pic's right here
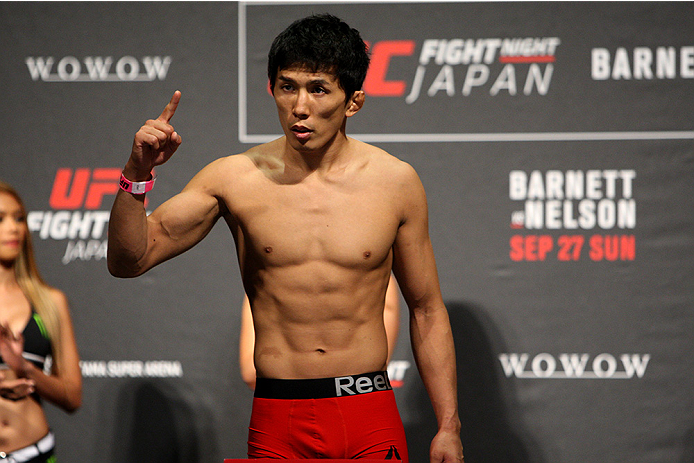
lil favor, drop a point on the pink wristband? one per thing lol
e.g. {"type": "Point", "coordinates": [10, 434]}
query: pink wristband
{"type": "Point", "coordinates": [136, 188]}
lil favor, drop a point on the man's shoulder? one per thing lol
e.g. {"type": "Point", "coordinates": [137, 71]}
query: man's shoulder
{"type": "Point", "coordinates": [383, 160]}
{"type": "Point", "coordinates": [237, 163]}
{"type": "Point", "coordinates": [241, 167]}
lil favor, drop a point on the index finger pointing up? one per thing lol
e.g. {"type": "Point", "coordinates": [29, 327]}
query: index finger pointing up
{"type": "Point", "coordinates": [170, 108]}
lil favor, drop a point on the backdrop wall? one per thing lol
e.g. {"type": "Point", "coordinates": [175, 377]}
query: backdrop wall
{"type": "Point", "coordinates": [556, 146]}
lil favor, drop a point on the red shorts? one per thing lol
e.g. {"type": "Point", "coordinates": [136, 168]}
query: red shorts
{"type": "Point", "coordinates": [349, 417]}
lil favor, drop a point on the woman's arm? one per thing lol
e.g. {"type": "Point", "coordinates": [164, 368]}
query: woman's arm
{"type": "Point", "coordinates": [63, 386]}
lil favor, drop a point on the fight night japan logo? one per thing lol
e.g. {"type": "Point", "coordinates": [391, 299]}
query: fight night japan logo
{"type": "Point", "coordinates": [464, 66]}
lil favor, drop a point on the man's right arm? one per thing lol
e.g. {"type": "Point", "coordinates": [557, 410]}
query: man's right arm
{"type": "Point", "coordinates": [137, 242]}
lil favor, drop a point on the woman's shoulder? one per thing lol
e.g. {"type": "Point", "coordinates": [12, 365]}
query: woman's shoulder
{"type": "Point", "coordinates": [59, 299]}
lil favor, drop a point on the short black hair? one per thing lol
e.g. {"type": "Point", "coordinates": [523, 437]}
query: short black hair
{"type": "Point", "coordinates": [321, 43]}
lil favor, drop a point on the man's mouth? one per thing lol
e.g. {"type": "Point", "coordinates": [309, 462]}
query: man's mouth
{"type": "Point", "coordinates": [301, 132]}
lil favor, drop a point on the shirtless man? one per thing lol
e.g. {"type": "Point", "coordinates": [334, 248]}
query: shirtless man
{"type": "Point", "coordinates": [319, 220]}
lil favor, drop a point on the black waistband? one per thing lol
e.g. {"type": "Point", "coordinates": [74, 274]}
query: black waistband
{"type": "Point", "coordinates": [322, 388]}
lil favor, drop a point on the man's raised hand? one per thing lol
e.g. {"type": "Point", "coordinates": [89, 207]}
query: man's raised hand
{"type": "Point", "coordinates": [155, 142]}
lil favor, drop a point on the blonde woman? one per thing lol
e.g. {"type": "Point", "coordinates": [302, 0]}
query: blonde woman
{"type": "Point", "coordinates": [34, 324]}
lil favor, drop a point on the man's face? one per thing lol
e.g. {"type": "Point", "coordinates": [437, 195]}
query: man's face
{"type": "Point", "coordinates": [311, 106]}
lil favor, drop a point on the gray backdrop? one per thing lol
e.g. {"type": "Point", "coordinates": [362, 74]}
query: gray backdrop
{"type": "Point", "coordinates": [555, 144]}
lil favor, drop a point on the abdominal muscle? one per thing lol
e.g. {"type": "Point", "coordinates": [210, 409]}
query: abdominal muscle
{"type": "Point", "coordinates": [22, 422]}
{"type": "Point", "coordinates": [321, 328]}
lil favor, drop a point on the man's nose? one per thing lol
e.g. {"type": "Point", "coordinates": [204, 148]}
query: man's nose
{"type": "Point", "coordinates": [301, 104]}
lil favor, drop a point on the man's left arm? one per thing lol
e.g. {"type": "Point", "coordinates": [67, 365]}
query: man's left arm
{"type": "Point", "coordinates": [430, 329]}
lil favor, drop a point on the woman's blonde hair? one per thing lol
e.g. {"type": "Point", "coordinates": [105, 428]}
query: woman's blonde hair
{"type": "Point", "coordinates": [32, 284]}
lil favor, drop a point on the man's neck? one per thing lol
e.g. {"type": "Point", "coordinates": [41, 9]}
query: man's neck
{"type": "Point", "coordinates": [331, 156]}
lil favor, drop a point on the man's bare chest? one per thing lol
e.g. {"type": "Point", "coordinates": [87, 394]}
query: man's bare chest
{"type": "Point", "coordinates": [294, 224]}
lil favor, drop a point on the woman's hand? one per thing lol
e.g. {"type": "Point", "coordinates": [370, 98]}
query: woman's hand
{"type": "Point", "coordinates": [15, 389]}
{"type": "Point", "coordinates": [11, 348]}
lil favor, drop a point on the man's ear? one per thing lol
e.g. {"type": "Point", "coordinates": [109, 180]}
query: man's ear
{"type": "Point", "coordinates": [355, 103]}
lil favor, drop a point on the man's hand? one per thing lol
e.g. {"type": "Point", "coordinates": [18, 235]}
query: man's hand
{"type": "Point", "coordinates": [446, 447]}
{"type": "Point", "coordinates": [154, 144]}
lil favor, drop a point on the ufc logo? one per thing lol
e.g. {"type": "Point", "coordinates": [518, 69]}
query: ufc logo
{"type": "Point", "coordinates": [376, 83]}
{"type": "Point", "coordinates": [83, 188]}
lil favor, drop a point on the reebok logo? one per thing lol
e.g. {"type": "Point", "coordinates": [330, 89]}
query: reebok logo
{"type": "Point", "coordinates": [348, 385]}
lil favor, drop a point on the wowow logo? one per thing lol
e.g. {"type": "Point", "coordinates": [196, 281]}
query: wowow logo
{"type": "Point", "coordinates": [98, 68]}
{"type": "Point", "coordinates": [76, 201]}
{"type": "Point", "coordinates": [574, 366]}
